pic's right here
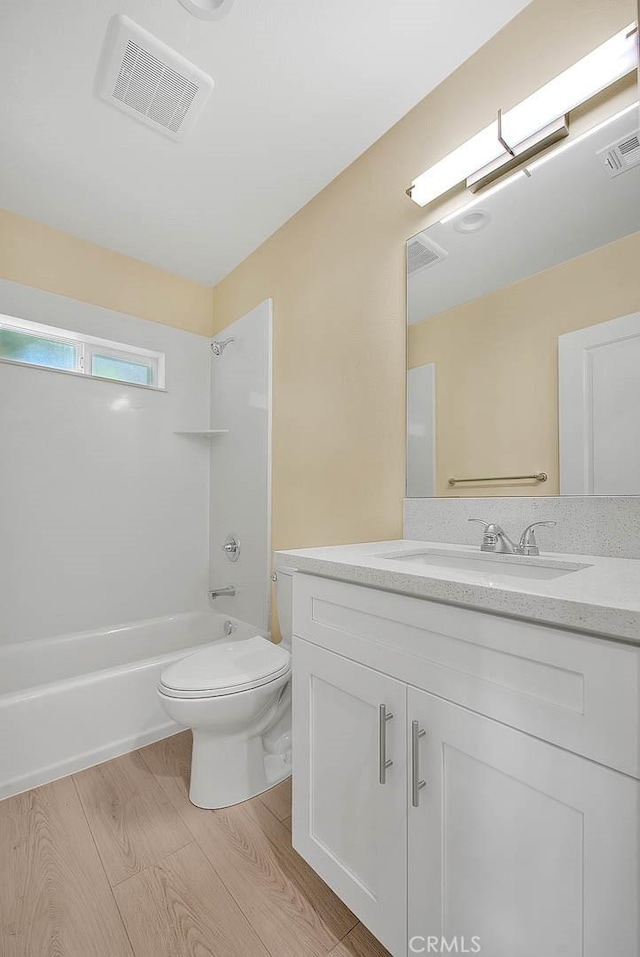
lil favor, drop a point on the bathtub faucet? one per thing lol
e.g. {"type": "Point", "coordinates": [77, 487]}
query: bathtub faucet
{"type": "Point", "coordinates": [227, 592]}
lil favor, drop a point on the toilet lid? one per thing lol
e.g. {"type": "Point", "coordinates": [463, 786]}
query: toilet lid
{"type": "Point", "coordinates": [226, 667]}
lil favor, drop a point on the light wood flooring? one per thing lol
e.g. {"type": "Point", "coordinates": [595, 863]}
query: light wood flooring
{"type": "Point", "coordinates": [116, 862]}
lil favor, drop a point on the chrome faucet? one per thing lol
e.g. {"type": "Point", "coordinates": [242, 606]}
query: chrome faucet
{"type": "Point", "coordinates": [496, 540]}
{"type": "Point", "coordinates": [528, 544]}
{"type": "Point", "coordinates": [228, 591]}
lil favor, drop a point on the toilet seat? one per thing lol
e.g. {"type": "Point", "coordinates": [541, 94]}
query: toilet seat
{"type": "Point", "coordinates": [226, 667]}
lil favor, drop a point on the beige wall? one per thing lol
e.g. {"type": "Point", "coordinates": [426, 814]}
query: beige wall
{"type": "Point", "coordinates": [497, 366]}
{"type": "Point", "coordinates": [37, 255]}
{"type": "Point", "coordinates": [336, 272]}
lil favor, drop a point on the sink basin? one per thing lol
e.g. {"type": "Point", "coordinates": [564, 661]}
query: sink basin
{"type": "Point", "coordinates": [510, 566]}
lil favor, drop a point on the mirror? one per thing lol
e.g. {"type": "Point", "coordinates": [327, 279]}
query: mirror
{"type": "Point", "coordinates": [523, 339]}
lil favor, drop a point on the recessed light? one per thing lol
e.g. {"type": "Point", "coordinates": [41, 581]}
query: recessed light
{"type": "Point", "coordinates": [208, 9]}
{"type": "Point", "coordinates": [472, 221]}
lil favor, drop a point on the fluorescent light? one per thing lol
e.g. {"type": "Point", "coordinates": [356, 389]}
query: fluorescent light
{"type": "Point", "coordinates": [586, 78]}
{"type": "Point", "coordinates": [521, 174]}
{"type": "Point", "coordinates": [589, 76]}
{"type": "Point", "coordinates": [480, 150]}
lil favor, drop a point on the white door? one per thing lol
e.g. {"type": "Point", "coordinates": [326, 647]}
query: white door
{"type": "Point", "coordinates": [521, 848]}
{"type": "Point", "coordinates": [421, 431]}
{"type": "Point", "coordinates": [599, 396]}
{"type": "Point", "coordinates": [349, 812]}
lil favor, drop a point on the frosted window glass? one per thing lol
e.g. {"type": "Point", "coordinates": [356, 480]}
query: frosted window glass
{"type": "Point", "coordinates": [22, 347]}
{"type": "Point", "coordinates": [123, 370]}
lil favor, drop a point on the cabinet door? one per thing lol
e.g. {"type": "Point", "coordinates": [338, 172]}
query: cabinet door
{"type": "Point", "coordinates": [530, 849]}
{"type": "Point", "coordinates": [349, 813]}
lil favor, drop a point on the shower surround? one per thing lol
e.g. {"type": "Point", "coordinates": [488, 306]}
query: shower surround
{"type": "Point", "coordinates": [106, 513]}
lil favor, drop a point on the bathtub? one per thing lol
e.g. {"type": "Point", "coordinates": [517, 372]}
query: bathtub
{"type": "Point", "coordinates": [71, 702]}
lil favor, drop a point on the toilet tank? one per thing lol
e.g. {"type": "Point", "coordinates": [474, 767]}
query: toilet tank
{"type": "Point", "coordinates": [284, 598]}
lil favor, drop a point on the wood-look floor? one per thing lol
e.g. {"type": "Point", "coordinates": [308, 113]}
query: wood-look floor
{"type": "Point", "coordinates": [116, 862]}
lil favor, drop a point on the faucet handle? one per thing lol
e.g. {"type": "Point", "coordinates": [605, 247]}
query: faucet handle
{"type": "Point", "coordinates": [491, 536]}
{"type": "Point", "coordinates": [528, 544]}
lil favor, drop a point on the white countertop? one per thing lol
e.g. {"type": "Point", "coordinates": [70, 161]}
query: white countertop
{"type": "Point", "coordinates": [602, 598]}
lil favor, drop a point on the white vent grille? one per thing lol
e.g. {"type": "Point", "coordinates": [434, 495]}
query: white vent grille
{"type": "Point", "coordinates": [423, 252]}
{"type": "Point", "coordinates": [150, 81]}
{"type": "Point", "coordinates": [623, 155]}
{"type": "Point", "coordinates": [147, 85]}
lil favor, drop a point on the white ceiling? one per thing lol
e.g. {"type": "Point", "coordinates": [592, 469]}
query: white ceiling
{"type": "Point", "coordinates": [302, 88]}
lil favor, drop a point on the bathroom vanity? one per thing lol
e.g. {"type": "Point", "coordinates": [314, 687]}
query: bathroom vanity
{"type": "Point", "coordinates": [467, 745]}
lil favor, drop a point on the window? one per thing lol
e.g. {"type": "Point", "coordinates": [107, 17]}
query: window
{"type": "Point", "coordinates": [125, 370]}
{"type": "Point", "coordinates": [36, 344]}
{"type": "Point", "coordinates": [22, 347]}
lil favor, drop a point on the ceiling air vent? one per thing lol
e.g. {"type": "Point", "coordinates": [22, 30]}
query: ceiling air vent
{"type": "Point", "coordinates": [423, 252]}
{"type": "Point", "coordinates": [148, 80]}
{"type": "Point", "coordinates": [622, 155]}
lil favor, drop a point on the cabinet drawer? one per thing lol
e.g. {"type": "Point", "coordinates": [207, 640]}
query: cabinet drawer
{"type": "Point", "coordinates": [576, 691]}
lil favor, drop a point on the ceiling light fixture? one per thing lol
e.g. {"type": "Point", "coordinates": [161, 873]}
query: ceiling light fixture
{"type": "Point", "coordinates": [532, 125]}
{"type": "Point", "coordinates": [532, 167]}
{"type": "Point", "coordinates": [208, 9]}
{"type": "Point", "coordinates": [473, 221]}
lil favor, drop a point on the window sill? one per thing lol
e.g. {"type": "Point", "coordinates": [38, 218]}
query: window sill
{"type": "Point", "coordinates": [81, 375]}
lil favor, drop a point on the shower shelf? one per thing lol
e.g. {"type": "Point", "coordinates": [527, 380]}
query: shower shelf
{"type": "Point", "coordinates": [207, 433]}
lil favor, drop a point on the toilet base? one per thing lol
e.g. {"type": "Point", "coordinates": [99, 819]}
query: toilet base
{"type": "Point", "coordinates": [228, 770]}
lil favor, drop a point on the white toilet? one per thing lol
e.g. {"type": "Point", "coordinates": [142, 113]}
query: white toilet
{"type": "Point", "coordinates": [236, 697]}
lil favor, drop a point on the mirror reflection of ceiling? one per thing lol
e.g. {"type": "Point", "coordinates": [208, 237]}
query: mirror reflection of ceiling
{"type": "Point", "coordinates": [568, 206]}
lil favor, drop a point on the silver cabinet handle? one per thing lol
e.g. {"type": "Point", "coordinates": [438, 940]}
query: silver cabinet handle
{"type": "Point", "coordinates": [416, 784]}
{"type": "Point", "coordinates": [383, 761]}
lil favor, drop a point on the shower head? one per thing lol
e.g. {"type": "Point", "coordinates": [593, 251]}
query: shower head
{"type": "Point", "coordinates": [218, 346]}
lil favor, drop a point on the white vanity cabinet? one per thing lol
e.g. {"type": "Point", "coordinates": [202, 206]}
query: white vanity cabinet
{"type": "Point", "coordinates": [515, 844]}
{"type": "Point", "coordinates": [340, 800]}
{"type": "Point", "coordinates": [529, 848]}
